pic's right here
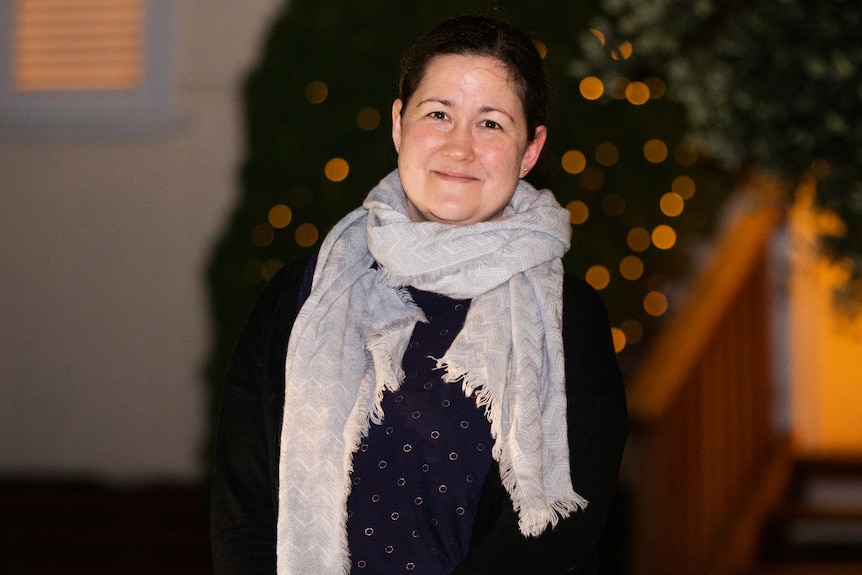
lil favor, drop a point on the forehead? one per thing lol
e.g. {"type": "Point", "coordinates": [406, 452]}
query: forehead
{"type": "Point", "coordinates": [468, 71]}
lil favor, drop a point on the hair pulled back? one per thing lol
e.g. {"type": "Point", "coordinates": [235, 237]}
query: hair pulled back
{"type": "Point", "coordinates": [482, 36]}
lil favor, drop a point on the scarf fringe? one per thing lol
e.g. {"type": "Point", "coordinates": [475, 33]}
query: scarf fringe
{"type": "Point", "coordinates": [531, 522]}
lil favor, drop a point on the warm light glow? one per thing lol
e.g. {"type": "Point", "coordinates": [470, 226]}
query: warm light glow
{"type": "Point", "coordinates": [579, 212]}
{"type": "Point", "coordinates": [638, 239]}
{"type": "Point", "coordinates": [613, 204]}
{"type": "Point", "coordinates": [306, 235]}
{"type": "Point", "coordinates": [657, 87]}
{"type": "Point", "coordinates": [655, 151]}
{"type": "Point", "coordinates": [637, 93]}
{"type": "Point", "coordinates": [619, 338]}
{"type": "Point", "coordinates": [592, 88]}
{"type": "Point", "coordinates": [607, 154]}
{"type": "Point", "coordinates": [279, 216]}
{"type": "Point", "coordinates": [336, 169]}
{"type": "Point", "coordinates": [95, 45]}
{"type": "Point", "coordinates": [631, 267]}
{"type": "Point", "coordinates": [663, 237]}
{"type": "Point", "coordinates": [541, 48]}
{"type": "Point", "coordinates": [655, 303]}
{"type": "Point", "coordinates": [270, 268]}
{"type": "Point", "coordinates": [598, 276]}
{"type": "Point", "coordinates": [262, 235]}
{"type": "Point", "coordinates": [623, 52]}
{"type": "Point", "coordinates": [618, 87]}
{"type": "Point", "coordinates": [671, 204]}
{"type": "Point", "coordinates": [598, 35]}
{"type": "Point", "coordinates": [633, 329]}
{"type": "Point", "coordinates": [592, 179]}
{"type": "Point", "coordinates": [574, 162]}
{"type": "Point", "coordinates": [684, 186]}
{"type": "Point", "coordinates": [316, 92]}
{"type": "Point", "coordinates": [820, 168]}
{"type": "Point", "coordinates": [685, 154]}
{"type": "Point", "coordinates": [368, 119]}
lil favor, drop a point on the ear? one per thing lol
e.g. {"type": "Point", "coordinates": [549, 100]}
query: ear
{"type": "Point", "coordinates": [534, 150]}
{"type": "Point", "coordinates": [396, 123]}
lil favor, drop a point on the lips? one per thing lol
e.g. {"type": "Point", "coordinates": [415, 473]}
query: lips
{"type": "Point", "coordinates": [454, 176]}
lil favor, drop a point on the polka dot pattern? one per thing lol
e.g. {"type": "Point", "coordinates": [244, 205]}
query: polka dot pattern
{"type": "Point", "coordinates": [418, 476]}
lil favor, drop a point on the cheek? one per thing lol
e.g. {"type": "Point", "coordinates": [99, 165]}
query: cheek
{"type": "Point", "coordinates": [505, 158]}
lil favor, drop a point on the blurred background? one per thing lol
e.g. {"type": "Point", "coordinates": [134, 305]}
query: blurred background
{"type": "Point", "coordinates": [159, 161]}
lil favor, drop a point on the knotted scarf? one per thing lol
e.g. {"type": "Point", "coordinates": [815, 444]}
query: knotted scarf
{"type": "Point", "coordinates": [349, 337]}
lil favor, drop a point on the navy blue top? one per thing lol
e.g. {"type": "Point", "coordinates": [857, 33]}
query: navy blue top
{"type": "Point", "coordinates": [418, 476]}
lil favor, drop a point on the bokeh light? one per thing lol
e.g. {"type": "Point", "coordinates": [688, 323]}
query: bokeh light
{"type": "Point", "coordinates": [638, 239]}
{"type": "Point", "coordinates": [598, 34]}
{"type": "Point", "coordinates": [592, 179]}
{"type": "Point", "coordinates": [655, 151]}
{"type": "Point", "coordinates": [623, 52]}
{"type": "Point", "coordinates": [637, 93]}
{"type": "Point", "coordinates": [336, 169]}
{"type": "Point", "coordinates": [368, 119]}
{"type": "Point", "coordinates": [655, 303]}
{"type": "Point", "coordinates": [631, 267]}
{"type": "Point", "coordinates": [607, 154]}
{"type": "Point", "coordinates": [671, 204]}
{"type": "Point", "coordinates": [316, 92]}
{"type": "Point", "coordinates": [619, 338]}
{"type": "Point", "coordinates": [657, 87]}
{"type": "Point", "coordinates": [574, 162]}
{"type": "Point", "coordinates": [685, 154]}
{"type": "Point", "coordinates": [541, 48]}
{"type": "Point", "coordinates": [262, 235]}
{"type": "Point", "coordinates": [617, 88]}
{"type": "Point", "coordinates": [684, 186]}
{"type": "Point", "coordinates": [306, 235]}
{"type": "Point", "coordinates": [663, 237]}
{"type": "Point", "coordinates": [279, 216]}
{"type": "Point", "coordinates": [579, 212]}
{"type": "Point", "coordinates": [591, 88]}
{"type": "Point", "coordinates": [598, 276]}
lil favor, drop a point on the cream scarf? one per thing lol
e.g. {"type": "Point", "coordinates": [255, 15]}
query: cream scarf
{"type": "Point", "coordinates": [347, 342]}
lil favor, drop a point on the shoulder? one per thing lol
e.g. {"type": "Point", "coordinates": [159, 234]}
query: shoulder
{"type": "Point", "coordinates": [588, 345]}
{"type": "Point", "coordinates": [580, 299]}
{"type": "Point", "coordinates": [283, 292]}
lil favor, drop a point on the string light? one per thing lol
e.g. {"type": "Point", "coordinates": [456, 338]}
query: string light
{"type": "Point", "coordinates": [579, 212]}
{"type": "Point", "coordinates": [574, 162]}
{"type": "Point", "coordinates": [316, 92]}
{"type": "Point", "coordinates": [336, 169]}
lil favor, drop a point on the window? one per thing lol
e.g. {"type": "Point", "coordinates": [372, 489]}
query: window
{"type": "Point", "coordinates": [84, 66]}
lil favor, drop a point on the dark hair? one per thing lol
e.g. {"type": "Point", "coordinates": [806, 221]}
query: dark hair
{"type": "Point", "coordinates": [481, 36]}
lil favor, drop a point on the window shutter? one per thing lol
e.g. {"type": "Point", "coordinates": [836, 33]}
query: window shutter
{"type": "Point", "coordinates": [63, 45]}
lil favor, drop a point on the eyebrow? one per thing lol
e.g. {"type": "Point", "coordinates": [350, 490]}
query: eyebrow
{"type": "Point", "coordinates": [483, 109]}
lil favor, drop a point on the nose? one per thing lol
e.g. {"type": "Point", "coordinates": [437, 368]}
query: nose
{"type": "Point", "coordinates": [459, 143]}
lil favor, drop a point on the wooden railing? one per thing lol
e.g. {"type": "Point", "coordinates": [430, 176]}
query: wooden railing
{"type": "Point", "coordinates": [704, 462]}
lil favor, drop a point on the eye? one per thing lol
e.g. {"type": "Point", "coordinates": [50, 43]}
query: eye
{"type": "Point", "coordinates": [438, 115]}
{"type": "Point", "coordinates": [491, 125]}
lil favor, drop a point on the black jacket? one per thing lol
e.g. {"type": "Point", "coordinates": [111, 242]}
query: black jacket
{"type": "Point", "coordinates": [245, 474]}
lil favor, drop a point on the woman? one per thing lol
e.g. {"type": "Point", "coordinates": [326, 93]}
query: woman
{"type": "Point", "coordinates": [430, 394]}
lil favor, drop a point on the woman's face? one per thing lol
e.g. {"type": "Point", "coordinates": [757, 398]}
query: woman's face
{"type": "Point", "coordinates": [462, 141]}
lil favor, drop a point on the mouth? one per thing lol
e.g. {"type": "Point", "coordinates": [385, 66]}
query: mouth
{"type": "Point", "coordinates": [455, 176]}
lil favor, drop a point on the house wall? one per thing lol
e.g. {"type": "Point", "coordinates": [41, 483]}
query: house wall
{"type": "Point", "coordinates": [103, 245]}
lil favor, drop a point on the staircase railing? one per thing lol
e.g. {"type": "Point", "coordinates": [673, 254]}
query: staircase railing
{"type": "Point", "coordinates": [705, 462]}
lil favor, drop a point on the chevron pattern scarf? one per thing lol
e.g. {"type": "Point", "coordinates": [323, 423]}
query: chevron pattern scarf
{"type": "Point", "coordinates": [346, 347]}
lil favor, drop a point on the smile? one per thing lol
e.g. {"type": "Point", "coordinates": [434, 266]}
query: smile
{"type": "Point", "coordinates": [455, 176]}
